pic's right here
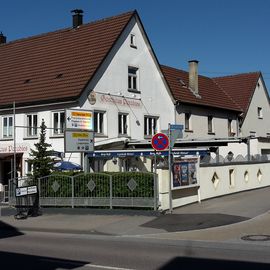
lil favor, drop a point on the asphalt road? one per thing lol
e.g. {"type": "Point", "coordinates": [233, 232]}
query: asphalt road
{"type": "Point", "coordinates": [51, 251]}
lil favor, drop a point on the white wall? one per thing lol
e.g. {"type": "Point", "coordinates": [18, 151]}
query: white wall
{"type": "Point", "coordinates": [199, 121]}
{"type": "Point", "coordinates": [112, 78]}
{"type": "Point", "coordinates": [252, 122]}
{"type": "Point", "coordinates": [245, 177]}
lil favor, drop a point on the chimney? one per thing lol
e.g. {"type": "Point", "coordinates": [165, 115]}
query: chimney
{"type": "Point", "coordinates": [77, 17]}
{"type": "Point", "coordinates": [3, 38]}
{"type": "Point", "coordinates": [193, 76]}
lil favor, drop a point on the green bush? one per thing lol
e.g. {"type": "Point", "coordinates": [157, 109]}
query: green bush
{"type": "Point", "coordinates": [99, 183]}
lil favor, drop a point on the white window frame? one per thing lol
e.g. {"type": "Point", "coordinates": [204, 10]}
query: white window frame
{"type": "Point", "coordinates": [133, 79]}
{"type": "Point", "coordinates": [59, 129]}
{"type": "Point", "coordinates": [210, 124]}
{"type": "Point", "coordinates": [260, 112]}
{"type": "Point", "coordinates": [99, 122]}
{"type": "Point", "coordinates": [231, 132]}
{"type": "Point", "coordinates": [133, 41]}
{"type": "Point", "coordinates": [9, 129]}
{"type": "Point", "coordinates": [188, 121]}
{"type": "Point", "coordinates": [28, 167]}
{"type": "Point", "coordinates": [150, 125]}
{"type": "Point", "coordinates": [32, 125]}
{"type": "Point", "coordinates": [123, 124]}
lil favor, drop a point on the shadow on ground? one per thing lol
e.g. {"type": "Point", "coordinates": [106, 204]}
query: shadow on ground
{"type": "Point", "coordinates": [17, 261]}
{"type": "Point", "coordinates": [8, 231]}
{"type": "Point", "coordinates": [187, 222]}
{"type": "Point", "coordinates": [210, 264]}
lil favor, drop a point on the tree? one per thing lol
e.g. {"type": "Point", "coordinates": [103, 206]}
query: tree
{"type": "Point", "coordinates": [41, 157]}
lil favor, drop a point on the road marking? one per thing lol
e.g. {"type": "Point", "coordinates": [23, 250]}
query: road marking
{"type": "Point", "coordinates": [106, 267]}
{"type": "Point", "coordinates": [85, 265]}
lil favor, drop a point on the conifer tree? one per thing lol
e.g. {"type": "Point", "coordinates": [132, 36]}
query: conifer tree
{"type": "Point", "coordinates": [41, 157]}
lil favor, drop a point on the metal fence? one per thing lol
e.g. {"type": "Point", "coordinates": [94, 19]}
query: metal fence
{"type": "Point", "coordinates": [96, 190]}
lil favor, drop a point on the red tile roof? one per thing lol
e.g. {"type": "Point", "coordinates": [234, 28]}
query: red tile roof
{"type": "Point", "coordinates": [211, 94]}
{"type": "Point", "coordinates": [240, 87]}
{"type": "Point", "coordinates": [57, 65]}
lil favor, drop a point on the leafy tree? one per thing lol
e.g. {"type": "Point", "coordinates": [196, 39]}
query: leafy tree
{"type": "Point", "coordinates": [41, 157]}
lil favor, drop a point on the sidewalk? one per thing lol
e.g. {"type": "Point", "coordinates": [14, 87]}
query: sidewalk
{"type": "Point", "coordinates": [219, 219]}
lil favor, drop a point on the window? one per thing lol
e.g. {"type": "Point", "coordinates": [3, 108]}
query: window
{"type": "Point", "coordinates": [122, 124]}
{"type": "Point", "coordinates": [28, 167]}
{"type": "Point", "coordinates": [58, 123]}
{"type": "Point", "coordinates": [133, 41]}
{"type": "Point", "coordinates": [260, 113]}
{"type": "Point", "coordinates": [99, 122]}
{"type": "Point", "coordinates": [7, 123]}
{"type": "Point", "coordinates": [150, 125]}
{"type": "Point", "coordinates": [231, 132]}
{"type": "Point", "coordinates": [210, 124]}
{"type": "Point", "coordinates": [187, 122]}
{"type": "Point", "coordinates": [231, 178]}
{"type": "Point", "coordinates": [31, 125]}
{"type": "Point", "coordinates": [133, 79]}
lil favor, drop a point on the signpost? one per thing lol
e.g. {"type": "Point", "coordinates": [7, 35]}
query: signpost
{"type": "Point", "coordinates": [79, 119]}
{"type": "Point", "coordinates": [79, 141]}
{"type": "Point", "coordinates": [175, 131]}
{"type": "Point", "coordinates": [79, 134]}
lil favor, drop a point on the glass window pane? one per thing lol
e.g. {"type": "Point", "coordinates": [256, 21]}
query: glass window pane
{"type": "Point", "coordinates": [55, 123]}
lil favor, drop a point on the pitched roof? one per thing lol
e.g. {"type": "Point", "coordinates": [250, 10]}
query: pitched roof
{"type": "Point", "coordinates": [240, 87]}
{"type": "Point", "coordinates": [210, 93]}
{"type": "Point", "coordinates": [56, 65]}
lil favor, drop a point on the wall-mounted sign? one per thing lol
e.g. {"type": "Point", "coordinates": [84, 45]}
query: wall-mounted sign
{"type": "Point", "coordinates": [122, 101]}
{"type": "Point", "coordinates": [79, 119]}
{"type": "Point", "coordinates": [92, 98]}
{"type": "Point", "coordinates": [79, 141]}
{"type": "Point", "coordinates": [9, 148]}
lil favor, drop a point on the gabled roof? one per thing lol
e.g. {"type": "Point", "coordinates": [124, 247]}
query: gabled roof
{"type": "Point", "coordinates": [210, 93]}
{"type": "Point", "coordinates": [57, 65]}
{"type": "Point", "coordinates": [240, 87]}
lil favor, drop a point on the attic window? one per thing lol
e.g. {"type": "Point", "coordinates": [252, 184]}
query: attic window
{"type": "Point", "coordinates": [133, 41]}
{"type": "Point", "coordinates": [27, 81]}
{"type": "Point", "coordinates": [59, 76]}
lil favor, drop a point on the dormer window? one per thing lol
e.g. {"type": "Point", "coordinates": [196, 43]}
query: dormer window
{"type": "Point", "coordinates": [133, 41]}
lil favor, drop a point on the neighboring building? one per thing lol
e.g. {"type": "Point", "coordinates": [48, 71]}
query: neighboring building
{"type": "Point", "coordinates": [226, 107]}
{"type": "Point", "coordinates": [107, 66]}
{"type": "Point", "coordinates": [205, 110]}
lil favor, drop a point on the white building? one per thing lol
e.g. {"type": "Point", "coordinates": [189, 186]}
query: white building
{"type": "Point", "coordinates": [107, 66]}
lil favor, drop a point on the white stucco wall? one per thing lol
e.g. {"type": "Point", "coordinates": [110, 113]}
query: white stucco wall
{"type": "Point", "coordinates": [199, 122]}
{"type": "Point", "coordinates": [244, 177]}
{"type": "Point", "coordinates": [252, 122]}
{"type": "Point", "coordinates": [112, 78]}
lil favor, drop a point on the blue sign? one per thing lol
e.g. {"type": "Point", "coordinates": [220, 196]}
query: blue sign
{"type": "Point", "coordinates": [123, 154]}
{"type": "Point", "coordinates": [181, 127]}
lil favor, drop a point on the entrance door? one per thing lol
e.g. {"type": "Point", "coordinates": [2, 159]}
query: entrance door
{"type": "Point", "coordinates": [7, 169]}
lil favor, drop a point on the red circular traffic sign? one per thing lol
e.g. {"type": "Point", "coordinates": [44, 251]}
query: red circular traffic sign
{"type": "Point", "coordinates": [160, 141]}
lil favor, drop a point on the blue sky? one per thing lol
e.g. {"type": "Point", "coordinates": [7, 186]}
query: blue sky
{"type": "Point", "coordinates": [226, 36]}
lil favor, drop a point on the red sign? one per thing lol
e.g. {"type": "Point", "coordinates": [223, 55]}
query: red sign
{"type": "Point", "coordinates": [160, 141]}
